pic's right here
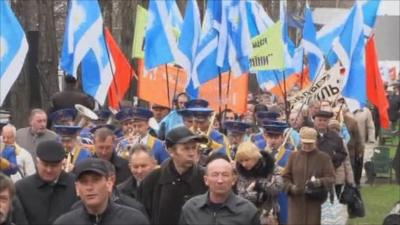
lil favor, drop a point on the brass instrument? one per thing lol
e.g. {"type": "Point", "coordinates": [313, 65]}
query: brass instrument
{"type": "Point", "coordinates": [110, 119]}
{"type": "Point", "coordinates": [68, 163]}
{"type": "Point", "coordinates": [124, 150]}
{"type": "Point", "coordinates": [85, 115]}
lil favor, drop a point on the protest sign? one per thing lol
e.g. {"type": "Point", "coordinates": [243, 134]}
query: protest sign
{"type": "Point", "coordinates": [140, 30]}
{"type": "Point", "coordinates": [327, 87]}
{"type": "Point", "coordinates": [268, 49]}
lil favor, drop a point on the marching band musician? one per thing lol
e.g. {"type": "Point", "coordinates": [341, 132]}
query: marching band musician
{"type": "Point", "coordinates": [202, 114]}
{"type": "Point", "coordinates": [203, 120]}
{"type": "Point", "coordinates": [140, 134]}
{"type": "Point", "coordinates": [73, 149]}
{"type": "Point", "coordinates": [236, 131]}
{"type": "Point", "coordinates": [280, 150]}
{"type": "Point", "coordinates": [63, 117]}
{"type": "Point", "coordinates": [125, 119]}
{"type": "Point", "coordinates": [259, 139]}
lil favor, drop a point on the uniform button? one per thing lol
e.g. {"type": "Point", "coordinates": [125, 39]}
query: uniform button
{"type": "Point", "coordinates": [173, 182]}
{"type": "Point", "coordinates": [179, 180]}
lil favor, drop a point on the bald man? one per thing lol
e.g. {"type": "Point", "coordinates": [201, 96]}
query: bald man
{"type": "Point", "coordinates": [219, 203]}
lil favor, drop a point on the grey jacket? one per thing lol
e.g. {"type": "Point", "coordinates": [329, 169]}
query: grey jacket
{"type": "Point", "coordinates": [236, 210]}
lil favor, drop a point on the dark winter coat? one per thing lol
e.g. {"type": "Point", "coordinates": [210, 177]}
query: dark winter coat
{"type": "Point", "coordinates": [164, 191]}
{"type": "Point", "coordinates": [332, 144]}
{"type": "Point", "coordinates": [122, 171]}
{"type": "Point", "coordinates": [128, 187]}
{"type": "Point", "coordinates": [43, 202]}
{"type": "Point", "coordinates": [114, 214]}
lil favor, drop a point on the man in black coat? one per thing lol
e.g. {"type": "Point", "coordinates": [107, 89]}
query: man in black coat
{"type": "Point", "coordinates": [328, 141]}
{"type": "Point", "coordinates": [94, 186]}
{"type": "Point", "coordinates": [164, 191]}
{"type": "Point", "coordinates": [50, 192]}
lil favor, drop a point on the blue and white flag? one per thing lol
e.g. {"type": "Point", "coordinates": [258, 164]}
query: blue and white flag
{"type": "Point", "coordinates": [189, 42]}
{"type": "Point", "coordinates": [258, 19]}
{"type": "Point", "coordinates": [97, 70]}
{"type": "Point", "coordinates": [349, 47]}
{"type": "Point", "coordinates": [160, 45]}
{"type": "Point", "coordinates": [239, 44]}
{"type": "Point", "coordinates": [13, 49]}
{"type": "Point", "coordinates": [190, 37]}
{"type": "Point", "coordinates": [204, 66]}
{"type": "Point", "coordinates": [83, 28]}
{"type": "Point", "coordinates": [370, 10]}
{"type": "Point", "coordinates": [84, 42]}
{"type": "Point", "coordinates": [314, 54]}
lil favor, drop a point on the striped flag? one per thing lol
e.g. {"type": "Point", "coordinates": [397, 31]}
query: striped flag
{"type": "Point", "coordinates": [314, 54]}
{"type": "Point", "coordinates": [13, 49]}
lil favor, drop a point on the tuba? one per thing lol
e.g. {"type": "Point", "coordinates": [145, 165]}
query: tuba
{"type": "Point", "coordinates": [85, 115]}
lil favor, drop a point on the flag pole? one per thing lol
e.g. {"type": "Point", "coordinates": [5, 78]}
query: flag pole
{"type": "Point", "coordinates": [111, 68]}
{"type": "Point", "coordinates": [176, 82]}
{"type": "Point", "coordinates": [228, 89]}
{"type": "Point", "coordinates": [167, 76]}
{"type": "Point", "coordinates": [302, 71]}
{"type": "Point", "coordinates": [285, 97]}
{"type": "Point", "coordinates": [219, 90]}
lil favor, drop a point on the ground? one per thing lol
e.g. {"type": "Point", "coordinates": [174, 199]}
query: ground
{"type": "Point", "coordinates": [378, 200]}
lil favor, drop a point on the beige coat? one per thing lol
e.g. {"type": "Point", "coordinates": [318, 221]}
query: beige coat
{"type": "Point", "coordinates": [365, 124]}
{"type": "Point", "coordinates": [300, 168]}
{"type": "Point", "coordinates": [355, 146]}
{"type": "Point", "coordinates": [344, 173]}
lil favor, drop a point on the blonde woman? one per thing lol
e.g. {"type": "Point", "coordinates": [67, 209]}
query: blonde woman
{"type": "Point", "coordinates": [257, 181]}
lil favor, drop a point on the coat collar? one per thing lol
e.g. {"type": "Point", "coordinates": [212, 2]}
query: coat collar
{"type": "Point", "coordinates": [170, 174]}
{"type": "Point", "coordinates": [230, 203]}
{"type": "Point", "coordinates": [62, 180]}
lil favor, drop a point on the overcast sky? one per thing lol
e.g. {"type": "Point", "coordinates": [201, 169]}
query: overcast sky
{"type": "Point", "coordinates": [389, 8]}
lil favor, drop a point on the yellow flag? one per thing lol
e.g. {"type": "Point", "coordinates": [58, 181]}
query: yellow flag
{"type": "Point", "coordinates": [140, 30]}
{"type": "Point", "coordinates": [268, 49]}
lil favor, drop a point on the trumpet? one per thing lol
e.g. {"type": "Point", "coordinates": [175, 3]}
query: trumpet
{"type": "Point", "coordinates": [125, 144]}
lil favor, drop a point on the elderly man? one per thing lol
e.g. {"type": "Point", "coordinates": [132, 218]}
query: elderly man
{"type": "Point", "coordinates": [29, 137]}
{"type": "Point", "coordinates": [26, 166]}
{"type": "Point", "coordinates": [50, 192]}
{"type": "Point", "coordinates": [164, 191]}
{"type": "Point", "coordinates": [328, 141]}
{"type": "Point", "coordinates": [94, 187]}
{"type": "Point", "coordinates": [219, 205]}
{"type": "Point", "coordinates": [141, 163]}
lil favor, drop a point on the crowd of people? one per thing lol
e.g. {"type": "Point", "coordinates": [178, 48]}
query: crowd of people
{"type": "Point", "coordinates": [186, 164]}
